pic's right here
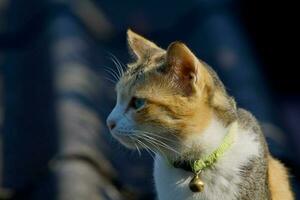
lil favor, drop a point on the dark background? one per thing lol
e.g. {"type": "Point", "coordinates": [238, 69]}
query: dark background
{"type": "Point", "coordinates": [55, 95]}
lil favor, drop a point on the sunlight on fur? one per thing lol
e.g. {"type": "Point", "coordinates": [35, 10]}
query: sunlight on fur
{"type": "Point", "coordinates": [174, 106]}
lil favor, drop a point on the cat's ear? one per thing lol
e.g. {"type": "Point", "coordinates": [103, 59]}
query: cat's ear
{"type": "Point", "coordinates": [141, 47]}
{"type": "Point", "coordinates": [183, 66]}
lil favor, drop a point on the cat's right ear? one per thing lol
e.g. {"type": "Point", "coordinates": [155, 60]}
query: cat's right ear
{"type": "Point", "coordinates": [140, 47]}
{"type": "Point", "coordinates": [183, 67]}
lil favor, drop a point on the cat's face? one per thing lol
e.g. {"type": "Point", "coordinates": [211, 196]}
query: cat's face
{"type": "Point", "coordinates": [162, 98]}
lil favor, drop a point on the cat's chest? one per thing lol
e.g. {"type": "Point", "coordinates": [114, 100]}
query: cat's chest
{"type": "Point", "coordinates": [173, 183]}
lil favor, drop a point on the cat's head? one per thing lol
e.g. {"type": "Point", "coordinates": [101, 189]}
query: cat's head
{"type": "Point", "coordinates": [165, 96]}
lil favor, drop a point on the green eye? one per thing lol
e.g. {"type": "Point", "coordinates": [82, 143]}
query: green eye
{"type": "Point", "coordinates": [137, 103]}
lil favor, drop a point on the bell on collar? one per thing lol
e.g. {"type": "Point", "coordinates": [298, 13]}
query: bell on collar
{"type": "Point", "coordinates": [196, 184]}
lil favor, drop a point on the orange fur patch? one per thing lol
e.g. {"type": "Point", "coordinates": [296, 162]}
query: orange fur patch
{"type": "Point", "coordinates": [279, 181]}
{"type": "Point", "coordinates": [169, 109]}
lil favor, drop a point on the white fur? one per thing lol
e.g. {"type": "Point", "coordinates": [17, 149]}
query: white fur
{"type": "Point", "coordinates": [122, 119]}
{"type": "Point", "coordinates": [121, 116]}
{"type": "Point", "coordinates": [221, 181]}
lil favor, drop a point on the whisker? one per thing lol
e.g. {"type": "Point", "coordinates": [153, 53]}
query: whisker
{"type": "Point", "coordinates": [112, 73]}
{"type": "Point", "coordinates": [137, 148]}
{"type": "Point", "coordinates": [146, 148]}
{"type": "Point", "coordinates": [168, 139]}
{"type": "Point", "coordinates": [112, 70]}
{"type": "Point", "coordinates": [112, 81]}
{"type": "Point", "coordinates": [112, 76]}
{"type": "Point", "coordinates": [156, 135]}
{"type": "Point", "coordinates": [156, 142]}
{"type": "Point", "coordinates": [119, 63]}
{"type": "Point", "coordinates": [162, 144]}
{"type": "Point", "coordinates": [117, 66]}
{"type": "Point", "coordinates": [135, 138]}
{"type": "Point", "coordinates": [150, 133]}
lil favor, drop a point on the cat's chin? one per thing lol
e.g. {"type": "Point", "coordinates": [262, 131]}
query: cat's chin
{"type": "Point", "coordinates": [125, 140]}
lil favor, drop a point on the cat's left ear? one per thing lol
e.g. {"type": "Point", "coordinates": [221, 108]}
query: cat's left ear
{"type": "Point", "coordinates": [183, 66]}
{"type": "Point", "coordinates": [140, 46]}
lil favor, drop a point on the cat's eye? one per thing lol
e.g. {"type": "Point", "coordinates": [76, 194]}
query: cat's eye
{"type": "Point", "coordinates": [137, 103]}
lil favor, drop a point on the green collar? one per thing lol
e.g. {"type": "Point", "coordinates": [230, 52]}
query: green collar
{"type": "Point", "coordinates": [197, 166]}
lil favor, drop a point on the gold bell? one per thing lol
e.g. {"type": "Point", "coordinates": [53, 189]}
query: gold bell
{"type": "Point", "coordinates": [196, 184]}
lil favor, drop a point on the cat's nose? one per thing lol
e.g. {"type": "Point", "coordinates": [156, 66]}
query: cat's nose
{"type": "Point", "coordinates": [111, 124]}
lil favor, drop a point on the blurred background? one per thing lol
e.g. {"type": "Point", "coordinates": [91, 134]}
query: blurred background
{"type": "Point", "coordinates": [55, 93]}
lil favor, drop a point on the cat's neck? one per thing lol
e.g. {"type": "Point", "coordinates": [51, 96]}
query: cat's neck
{"type": "Point", "coordinates": [199, 144]}
{"type": "Point", "coordinates": [223, 176]}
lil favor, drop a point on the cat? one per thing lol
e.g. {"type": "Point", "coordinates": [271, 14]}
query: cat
{"type": "Point", "coordinates": [171, 103]}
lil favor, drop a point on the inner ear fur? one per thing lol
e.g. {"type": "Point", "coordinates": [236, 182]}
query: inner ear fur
{"type": "Point", "coordinates": [183, 66]}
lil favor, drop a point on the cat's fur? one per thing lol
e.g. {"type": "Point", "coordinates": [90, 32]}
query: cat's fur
{"type": "Point", "coordinates": [186, 115]}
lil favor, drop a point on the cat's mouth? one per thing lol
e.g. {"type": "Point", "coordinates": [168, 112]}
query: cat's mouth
{"type": "Point", "coordinates": [139, 140]}
{"type": "Point", "coordinates": [126, 138]}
